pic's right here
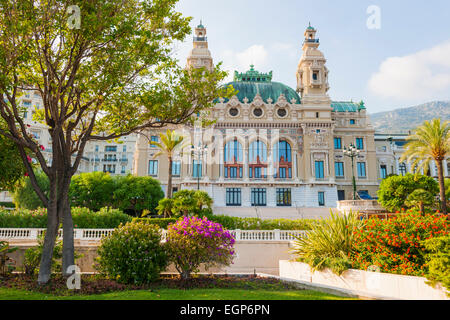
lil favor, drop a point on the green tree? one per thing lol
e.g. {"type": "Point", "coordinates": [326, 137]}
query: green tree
{"type": "Point", "coordinates": [137, 194]}
{"type": "Point", "coordinates": [24, 195]}
{"type": "Point", "coordinates": [170, 143]}
{"type": "Point", "coordinates": [394, 190]}
{"type": "Point", "coordinates": [191, 203]}
{"type": "Point", "coordinates": [165, 207]}
{"type": "Point", "coordinates": [420, 198]}
{"type": "Point", "coordinates": [430, 142]}
{"type": "Point", "coordinates": [12, 169]}
{"type": "Point", "coordinates": [92, 190]}
{"type": "Point", "coordinates": [108, 76]}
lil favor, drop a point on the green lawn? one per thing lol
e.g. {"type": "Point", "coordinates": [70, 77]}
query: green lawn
{"type": "Point", "coordinates": [177, 294]}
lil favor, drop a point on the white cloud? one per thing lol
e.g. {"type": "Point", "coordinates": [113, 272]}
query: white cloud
{"type": "Point", "coordinates": [424, 75]}
{"type": "Point", "coordinates": [241, 61]}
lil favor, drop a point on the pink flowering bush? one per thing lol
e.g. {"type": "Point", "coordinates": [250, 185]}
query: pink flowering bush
{"type": "Point", "coordinates": [193, 241]}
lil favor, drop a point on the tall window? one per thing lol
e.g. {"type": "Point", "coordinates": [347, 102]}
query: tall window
{"type": "Point", "coordinates": [341, 195]}
{"type": "Point", "coordinates": [283, 160]}
{"type": "Point", "coordinates": [337, 143]}
{"type": "Point", "coordinates": [234, 197]}
{"type": "Point", "coordinates": [339, 168]}
{"type": "Point", "coordinates": [176, 168]}
{"type": "Point", "coordinates": [259, 197]}
{"type": "Point", "coordinates": [402, 169]}
{"type": "Point", "coordinates": [383, 172]}
{"type": "Point", "coordinates": [321, 199]}
{"type": "Point", "coordinates": [362, 170]}
{"type": "Point", "coordinates": [153, 168]}
{"type": "Point", "coordinates": [284, 197]}
{"type": "Point", "coordinates": [197, 169]}
{"type": "Point", "coordinates": [320, 170]}
{"type": "Point", "coordinates": [360, 143]}
{"type": "Point", "coordinates": [352, 121]}
{"type": "Point", "coordinates": [257, 160]}
{"type": "Point", "coordinates": [233, 160]}
{"type": "Point", "coordinates": [154, 139]}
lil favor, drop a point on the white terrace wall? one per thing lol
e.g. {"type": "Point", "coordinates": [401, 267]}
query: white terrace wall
{"type": "Point", "coordinates": [251, 256]}
{"type": "Point", "coordinates": [385, 285]}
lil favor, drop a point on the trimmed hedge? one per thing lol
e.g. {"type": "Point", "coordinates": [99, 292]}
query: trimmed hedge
{"type": "Point", "coordinates": [234, 223]}
{"type": "Point", "coordinates": [83, 218]}
{"type": "Point", "coordinates": [163, 223]}
{"type": "Point", "coordinates": [107, 218]}
{"type": "Point", "coordinates": [7, 204]}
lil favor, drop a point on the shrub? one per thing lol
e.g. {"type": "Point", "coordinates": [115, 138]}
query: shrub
{"type": "Point", "coordinates": [235, 223]}
{"type": "Point", "coordinates": [106, 218]}
{"type": "Point", "coordinates": [25, 197]}
{"type": "Point", "coordinates": [395, 245]}
{"type": "Point", "coordinates": [186, 203]}
{"type": "Point", "coordinates": [165, 207]}
{"type": "Point", "coordinates": [92, 190]}
{"type": "Point", "coordinates": [7, 204]}
{"type": "Point", "coordinates": [137, 194]}
{"type": "Point", "coordinates": [329, 243]}
{"type": "Point", "coordinates": [194, 241]}
{"type": "Point", "coordinates": [162, 223]}
{"type": "Point", "coordinates": [32, 257]}
{"type": "Point", "coordinates": [133, 254]}
{"type": "Point", "coordinates": [22, 218]}
{"type": "Point", "coordinates": [438, 260]}
{"type": "Point", "coordinates": [6, 263]}
{"type": "Point", "coordinates": [83, 218]}
{"type": "Point", "coordinates": [394, 190]}
{"type": "Point", "coordinates": [420, 198]}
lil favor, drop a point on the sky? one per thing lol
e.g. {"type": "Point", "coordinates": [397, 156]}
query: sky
{"type": "Point", "coordinates": [390, 54]}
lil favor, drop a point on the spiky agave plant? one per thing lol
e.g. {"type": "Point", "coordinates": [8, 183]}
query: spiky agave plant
{"type": "Point", "coordinates": [329, 242]}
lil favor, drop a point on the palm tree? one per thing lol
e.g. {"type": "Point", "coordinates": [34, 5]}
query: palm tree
{"type": "Point", "coordinates": [430, 141]}
{"type": "Point", "coordinates": [170, 142]}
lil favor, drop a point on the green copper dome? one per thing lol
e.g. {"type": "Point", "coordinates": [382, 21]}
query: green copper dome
{"type": "Point", "coordinates": [252, 82]}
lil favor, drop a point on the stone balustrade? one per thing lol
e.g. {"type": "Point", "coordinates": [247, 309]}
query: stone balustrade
{"type": "Point", "coordinates": [98, 234]}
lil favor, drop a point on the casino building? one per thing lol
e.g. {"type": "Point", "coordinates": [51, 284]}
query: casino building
{"type": "Point", "coordinates": [274, 150]}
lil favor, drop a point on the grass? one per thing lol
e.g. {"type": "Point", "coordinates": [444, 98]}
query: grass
{"type": "Point", "coordinates": [176, 294]}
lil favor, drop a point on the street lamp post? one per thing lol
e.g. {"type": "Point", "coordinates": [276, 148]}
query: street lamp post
{"type": "Point", "coordinates": [352, 152]}
{"type": "Point", "coordinates": [198, 152]}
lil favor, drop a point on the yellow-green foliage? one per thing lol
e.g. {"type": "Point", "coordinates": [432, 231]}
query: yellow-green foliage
{"type": "Point", "coordinates": [329, 242]}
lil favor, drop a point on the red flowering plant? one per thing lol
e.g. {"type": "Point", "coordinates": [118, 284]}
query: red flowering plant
{"type": "Point", "coordinates": [396, 245]}
{"type": "Point", "coordinates": [193, 241]}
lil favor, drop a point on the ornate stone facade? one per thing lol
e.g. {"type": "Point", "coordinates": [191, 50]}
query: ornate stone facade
{"type": "Point", "coordinates": [273, 146]}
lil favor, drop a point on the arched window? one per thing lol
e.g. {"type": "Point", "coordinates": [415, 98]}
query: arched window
{"type": "Point", "coordinates": [257, 155]}
{"type": "Point", "coordinates": [283, 160]}
{"type": "Point", "coordinates": [233, 155]}
{"type": "Point", "coordinates": [402, 169]}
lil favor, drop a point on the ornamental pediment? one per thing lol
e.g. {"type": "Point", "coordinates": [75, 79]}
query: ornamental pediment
{"type": "Point", "coordinates": [282, 102]}
{"type": "Point", "coordinates": [258, 101]}
{"type": "Point", "coordinates": [234, 101]}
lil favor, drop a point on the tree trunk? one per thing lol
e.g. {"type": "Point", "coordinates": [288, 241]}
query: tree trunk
{"type": "Point", "coordinates": [169, 184]}
{"type": "Point", "coordinates": [45, 269]}
{"type": "Point", "coordinates": [68, 254]}
{"type": "Point", "coordinates": [442, 186]}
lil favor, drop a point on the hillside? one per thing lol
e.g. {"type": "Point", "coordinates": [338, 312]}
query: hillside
{"type": "Point", "coordinates": [404, 120]}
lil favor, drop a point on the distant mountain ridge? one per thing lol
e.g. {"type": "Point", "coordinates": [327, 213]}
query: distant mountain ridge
{"type": "Point", "coordinates": [407, 119]}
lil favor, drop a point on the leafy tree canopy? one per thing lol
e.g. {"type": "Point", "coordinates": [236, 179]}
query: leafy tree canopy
{"type": "Point", "coordinates": [395, 190]}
